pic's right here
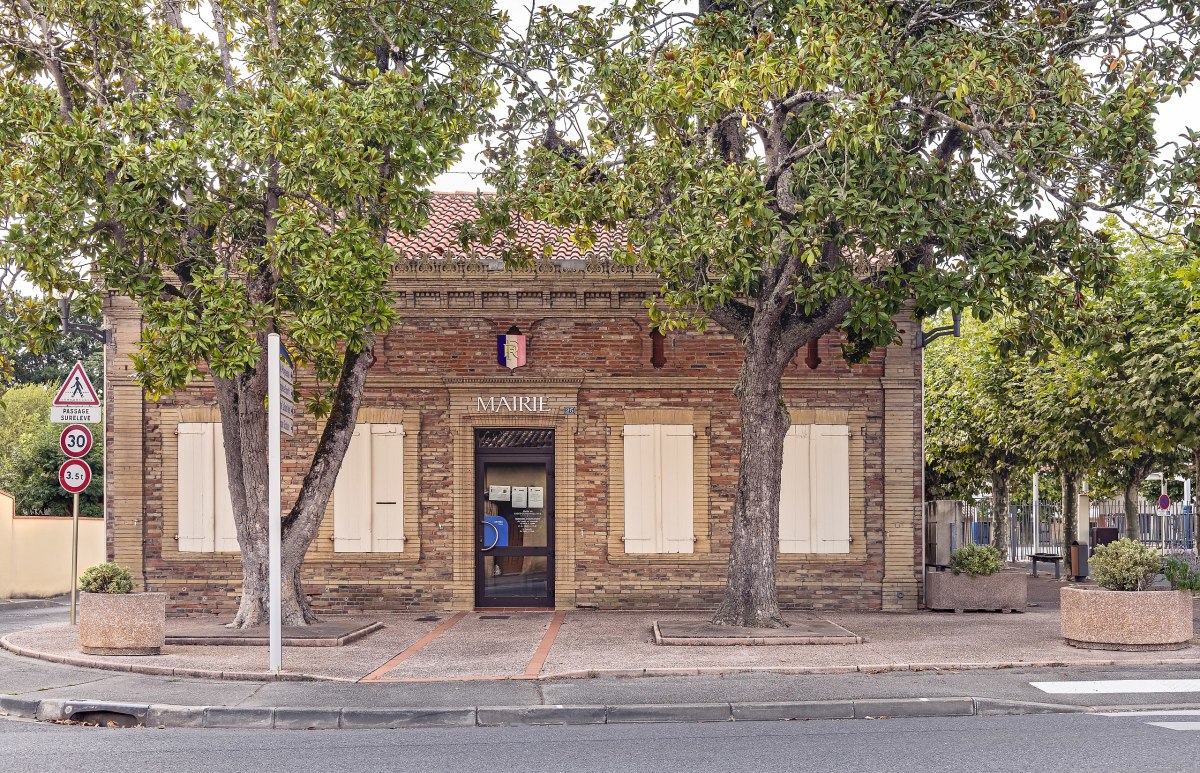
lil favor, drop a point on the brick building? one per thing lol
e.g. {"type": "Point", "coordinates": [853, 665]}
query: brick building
{"type": "Point", "coordinates": [599, 473]}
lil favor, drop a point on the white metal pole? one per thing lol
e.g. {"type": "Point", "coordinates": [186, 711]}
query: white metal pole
{"type": "Point", "coordinates": [74, 555]}
{"type": "Point", "coordinates": [1037, 515]}
{"type": "Point", "coordinates": [273, 498]}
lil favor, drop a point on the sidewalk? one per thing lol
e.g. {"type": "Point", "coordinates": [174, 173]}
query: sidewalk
{"type": "Point", "coordinates": [446, 646]}
{"type": "Point", "coordinates": [430, 669]}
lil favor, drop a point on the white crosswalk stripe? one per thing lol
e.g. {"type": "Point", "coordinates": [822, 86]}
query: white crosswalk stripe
{"type": "Point", "coordinates": [1112, 686]}
{"type": "Point", "coordinates": [1177, 725]}
{"type": "Point", "coordinates": [1152, 713]}
{"type": "Point", "coordinates": [1185, 725]}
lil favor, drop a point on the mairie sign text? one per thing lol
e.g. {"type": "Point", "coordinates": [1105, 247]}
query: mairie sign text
{"type": "Point", "coordinates": [512, 404]}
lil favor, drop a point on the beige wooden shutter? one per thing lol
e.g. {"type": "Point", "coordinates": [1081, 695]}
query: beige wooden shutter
{"type": "Point", "coordinates": [195, 487]}
{"type": "Point", "coordinates": [225, 528]}
{"type": "Point", "coordinates": [387, 488]}
{"type": "Point", "coordinates": [831, 488]}
{"type": "Point", "coordinates": [641, 489]}
{"type": "Point", "coordinates": [795, 509]}
{"type": "Point", "coordinates": [674, 457]}
{"type": "Point", "coordinates": [352, 496]}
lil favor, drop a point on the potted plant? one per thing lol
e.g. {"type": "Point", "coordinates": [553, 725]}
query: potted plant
{"type": "Point", "coordinates": [1125, 612]}
{"type": "Point", "coordinates": [113, 621]}
{"type": "Point", "coordinates": [975, 582]}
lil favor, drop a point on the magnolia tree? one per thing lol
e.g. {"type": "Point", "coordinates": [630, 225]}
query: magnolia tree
{"type": "Point", "coordinates": [235, 168]}
{"type": "Point", "coordinates": [796, 167]}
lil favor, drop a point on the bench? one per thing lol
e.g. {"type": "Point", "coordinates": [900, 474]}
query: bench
{"type": "Point", "coordinates": [1048, 558]}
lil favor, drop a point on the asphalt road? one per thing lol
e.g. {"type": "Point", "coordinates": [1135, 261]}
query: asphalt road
{"type": "Point", "coordinates": [1044, 743]}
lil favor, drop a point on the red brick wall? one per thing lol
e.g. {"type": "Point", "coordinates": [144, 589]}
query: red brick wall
{"type": "Point", "coordinates": [608, 343]}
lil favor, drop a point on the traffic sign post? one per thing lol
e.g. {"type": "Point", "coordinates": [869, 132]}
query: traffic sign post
{"type": "Point", "coordinates": [74, 476]}
{"type": "Point", "coordinates": [278, 364]}
{"type": "Point", "coordinates": [76, 403]}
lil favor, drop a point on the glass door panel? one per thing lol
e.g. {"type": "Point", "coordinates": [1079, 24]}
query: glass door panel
{"type": "Point", "coordinates": [514, 533]}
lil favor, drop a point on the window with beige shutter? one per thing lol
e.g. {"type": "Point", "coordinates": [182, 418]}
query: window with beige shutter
{"type": "Point", "coordinates": [658, 467]}
{"type": "Point", "coordinates": [814, 502]}
{"type": "Point", "coordinates": [205, 508]}
{"type": "Point", "coordinates": [368, 498]}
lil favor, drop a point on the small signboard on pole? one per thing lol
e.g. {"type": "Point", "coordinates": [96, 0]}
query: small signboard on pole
{"type": "Point", "coordinates": [287, 392]}
{"type": "Point", "coordinates": [76, 401]}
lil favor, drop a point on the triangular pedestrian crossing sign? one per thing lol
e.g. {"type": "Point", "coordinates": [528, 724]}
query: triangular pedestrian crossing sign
{"type": "Point", "coordinates": [77, 389]}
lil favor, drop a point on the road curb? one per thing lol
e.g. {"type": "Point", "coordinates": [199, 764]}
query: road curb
{"type": "Point", "coordinates": [301, 718]}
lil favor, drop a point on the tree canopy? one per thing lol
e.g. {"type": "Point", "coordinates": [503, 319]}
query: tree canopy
{"type": "Point", "coordinates": [236, 169]}
{"type": "Point", "coordinates": [790, 168]}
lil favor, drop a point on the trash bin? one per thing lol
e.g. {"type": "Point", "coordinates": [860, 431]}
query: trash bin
{"type": "Point", "coordinates": [1079, 561]}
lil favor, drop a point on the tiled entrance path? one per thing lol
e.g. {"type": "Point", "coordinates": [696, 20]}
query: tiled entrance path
{"type": "Point", "coordinates": [454, 646]}
{"type": "Point", "coordinates": [478, 645]}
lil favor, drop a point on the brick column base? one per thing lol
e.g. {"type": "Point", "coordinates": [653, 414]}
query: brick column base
{"type": "Point", "coordinates": [901, 595]}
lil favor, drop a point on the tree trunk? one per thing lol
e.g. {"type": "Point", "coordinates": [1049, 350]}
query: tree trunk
{"type": "Point", "coordinates": [1000, 517]}
{"type": "Point", "coordinates": [1133, 521]}
{"type": "Point", "coordinates": [1070, 513]}
{"type": "Point", "coordinates": [244, 428]}
{"type": "Point", "coordinates": [750, 594]}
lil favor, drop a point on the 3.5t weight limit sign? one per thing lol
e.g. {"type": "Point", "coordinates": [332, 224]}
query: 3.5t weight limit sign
{"type": "Point", "coordinates": [75, 441]}
{"type": "Point", "coordinates": [74, 475]}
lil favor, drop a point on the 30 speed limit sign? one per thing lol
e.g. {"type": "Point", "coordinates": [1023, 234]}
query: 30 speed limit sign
{"type": "Point", "coordinates": [75, 441]}
{"type": "Point", "coordinates": [74, 475]}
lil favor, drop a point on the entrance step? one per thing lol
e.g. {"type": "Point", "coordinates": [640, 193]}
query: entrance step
{"type": "Point", "coordinates": [805, 630]}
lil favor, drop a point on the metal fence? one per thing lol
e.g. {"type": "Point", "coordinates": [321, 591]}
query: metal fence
{"type": "Point", "coordinates": [1170, 531]}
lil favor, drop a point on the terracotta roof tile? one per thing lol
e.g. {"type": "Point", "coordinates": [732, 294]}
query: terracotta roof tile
{"type": "Point", "coordinates": [439, 239]}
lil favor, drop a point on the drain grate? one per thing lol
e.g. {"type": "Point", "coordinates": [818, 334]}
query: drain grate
{"type": "Point", "coordinates": [428, 619]}
{"type": "Point", "coordinates": [494, 617]}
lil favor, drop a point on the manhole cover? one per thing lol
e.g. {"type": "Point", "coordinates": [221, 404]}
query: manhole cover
{"type": "Point", "coordinates": [494, 617]}
{"type": "Point", "coordinates": [428, 619]}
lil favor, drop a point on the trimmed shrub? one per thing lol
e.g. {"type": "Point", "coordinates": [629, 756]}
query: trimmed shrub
{"type": "Point", "coordinates": [1183, 572]}
{"type": "Point", "coordinates": [976, 560]}
{"type": "Point", "coordinates": [1125, 565]}
{"type": "Point", "coordinates": [106, 578]}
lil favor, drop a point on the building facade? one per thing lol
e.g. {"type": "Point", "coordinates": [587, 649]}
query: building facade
{"type": "Point", "coordinates": [526, 441]}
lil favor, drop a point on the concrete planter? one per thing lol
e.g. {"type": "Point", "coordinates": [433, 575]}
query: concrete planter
{"type": "Point", "coordinates": [1126, 620]}
{"type": "Point", "coordinates": [122, 623]}
{"type": "Point", "coordinates": [1003, 591]}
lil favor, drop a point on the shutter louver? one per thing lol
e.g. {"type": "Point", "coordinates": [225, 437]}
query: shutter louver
{"type": "Point", "coordinates": [641, 489]}
{"type": "Point", "coordinates": [225, 529]}
{"type": "Point", "coordinates": [831, 488]}
{"type": "Point", "coordinates": [675, 494]}
{"type": "Point", "coordinates": [387, 488]}
{"type": "Point", "coordinates": [352, 496]}
{"type": "Point", "coordinates": [795, 512]}
{"type": "Point", "coordinates": [195, 488]}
